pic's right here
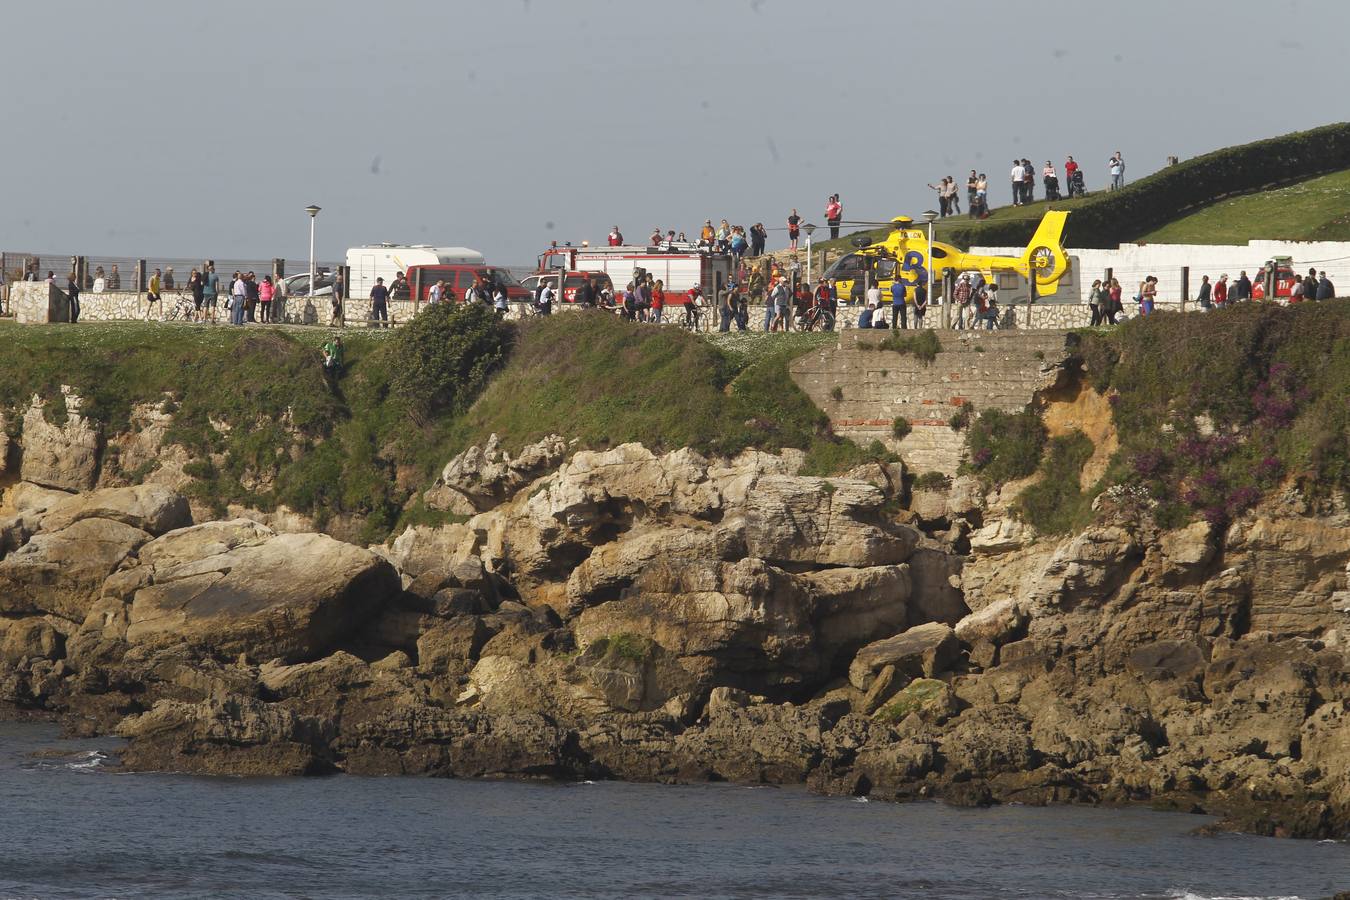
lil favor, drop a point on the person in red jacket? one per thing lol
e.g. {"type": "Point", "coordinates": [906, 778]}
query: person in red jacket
{"type": "Point", "coordinates": [616, 237]}
{"type": "Point", "coordinates": [1221, 291]}
{"type": "Point", "coordinates": [658, 300]}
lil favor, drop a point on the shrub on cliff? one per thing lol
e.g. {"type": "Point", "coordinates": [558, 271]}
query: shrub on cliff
{"type": "Point", "coordinates": [442, 359]}
{"type": "Point", "coordinates": [1214, 410]}
{"type": "Point", "coordinates": [1004, 446]}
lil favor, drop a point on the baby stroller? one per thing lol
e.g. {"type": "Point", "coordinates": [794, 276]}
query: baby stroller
{"type": "Point", "coordinates": [1076, 188]}
{"type": "Point", "coordinates": [1052, 188]}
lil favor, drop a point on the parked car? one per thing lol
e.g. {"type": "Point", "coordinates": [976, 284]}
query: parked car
{"type": "Point", "coordinates": [298, 285]}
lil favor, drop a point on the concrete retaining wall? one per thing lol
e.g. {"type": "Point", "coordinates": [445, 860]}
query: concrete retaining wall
{"type": "Point", "coordinates": [992, 370]}
{"type": "Point", "coordinates": [1132, 262]}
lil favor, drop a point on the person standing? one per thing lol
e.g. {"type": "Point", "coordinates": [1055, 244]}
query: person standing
{"type": "Point", "coordinates": [198, 296]}
{"type": "Point", "coordinates": [265, 291]}
{"type": "Point", "coordinates": [114, 278]}
{"type": "Point", "coordinates": [168, 280]}
{"type": "Point", "coordinates": [251, 296]}
{"type": "Point", "coordinates": [437, 292]}
{"type": "Point", "coordinates": [794, 222]}
{"type": "Point", "coordinates": [500, 303]}
{"type": "Point", "coordinates": [759, 236]}
{"type": "Point", "coordinates": [1028, 182]}
{"type": "Point", "coordinates": [961, 295]}
{"type": "Point", "coordinates": [1015, 175]}
{"type": "Point", "coordinates": [972, 186]}
{"type": "Point", "coordinates": [1310, 285]}
{"type": "Point", "coordinates": [210, 291]}
{"type": "Point", "coordinates": [545, 305]}
{"type": "Point", "coordinates": [1325, 289]}
{"type": "Point", "coordinates": [920, 303]}
{"type": "Point", "coordinates": [941, 188]}
{"type": "Point", "coordinates": [1115, 166]}
{"type": "Point", "coordinates": [152, 292]}
{"type": "Point", "coordinates": [899, 315]}
{"type": "Point", "coordinates": [1051, 181]}
{"type": "Point", "coordinates": [379, 304]}
{"type": "Point", "coordinates": [834, 214]}
{"type": "Point", "coordinates": [73, 294]}
{"type": "Point", "coordinates": [658, 300]}
{"type": "Point", "coordinates": [616, 237]}
{"type": "Point", "coordinates": [1220, 292]}
{"type": "Point", "coordinates": [1243, 289]}
{"type": "Point", "coordinates": [1203, 295]}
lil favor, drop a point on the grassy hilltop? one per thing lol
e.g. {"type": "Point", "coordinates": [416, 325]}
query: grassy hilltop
{"type": "Point", "coordinates": [1291, 187]}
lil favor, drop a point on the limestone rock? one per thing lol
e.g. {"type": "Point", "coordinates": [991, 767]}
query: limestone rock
{"type": "Point", "coordinates": [150, 507]}
{"type": "Point", "coordinates": [31, 638]}
{"type": "Point", "coordinates": [423, 549]}
{"type": "Point", "coordinates": [996, 624]}
{"type": "Point", "coordinates": [747, 619]}
{"type": "Point", "coordinates": [854, 607]}
{"type": "Point", "coordinates": [62, 572]}
{"type": "Point", "coordinates": [290, 596]}
{"type": "Point", "coordinates": [612, 567]}
{"type": "Point", "coordinates": [197, 542]}
{"type": "Point", "coordinates": [823, 522]}
{"type": "Point", "coordinates": [60, 456]}
{"type": "Point", "coordinates": [226, 736]}
{"type": "Point", "coordinates": [486, 476]}
{"type": "Point", "coordinates": [924, 650]}
{"type": "Point", "coordinates": [453, 645]}
{"type": "Point", "coordinates": [965, 498]}
{"type": "Point", "coordinates": [630, 674]}
{"type": "Point", "coordinates": [1001, 536]}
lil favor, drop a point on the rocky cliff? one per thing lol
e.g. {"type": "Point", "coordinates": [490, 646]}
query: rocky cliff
{"type": "Point", "coordinates": [677, 617]}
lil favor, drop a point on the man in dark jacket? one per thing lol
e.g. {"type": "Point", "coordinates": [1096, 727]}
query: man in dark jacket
{"type": "Point", "coordinates": [1325, 289]}
{"type": "Point", "coordinates": [1242, 289]}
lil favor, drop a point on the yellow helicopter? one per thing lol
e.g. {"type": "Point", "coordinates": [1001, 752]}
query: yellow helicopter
{"type": "Point", "coordinates": [904, 256]}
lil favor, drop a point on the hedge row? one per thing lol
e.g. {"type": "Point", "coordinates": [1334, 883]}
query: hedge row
{"type": "Point", "coordinates": [1110, 218]}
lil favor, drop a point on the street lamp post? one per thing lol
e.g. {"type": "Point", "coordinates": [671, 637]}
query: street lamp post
{"type": "Point", "coordinates": [313, 213]}
{"type": "Point", "coordinates": [810, 230]}
{"type": "Point", "coordinates": [930, 217]}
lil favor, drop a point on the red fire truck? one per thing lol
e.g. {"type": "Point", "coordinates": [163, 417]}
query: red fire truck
{"type": "Point", "coordinates": [1285, 276]}
{"type": "Point", "coordinates": [678, 266]}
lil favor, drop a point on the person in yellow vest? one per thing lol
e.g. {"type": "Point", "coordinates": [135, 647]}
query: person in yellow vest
{"type": "Point", "coordinates": [152, 294]}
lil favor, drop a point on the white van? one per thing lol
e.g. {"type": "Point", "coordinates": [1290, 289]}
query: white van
{"type": "Point", "coordinates": [387, 260]}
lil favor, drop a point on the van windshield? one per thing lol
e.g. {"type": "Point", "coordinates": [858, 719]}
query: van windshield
{"type": "Point", "coordinates": [504, 277]}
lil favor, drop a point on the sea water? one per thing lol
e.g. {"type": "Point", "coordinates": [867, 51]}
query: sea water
{"type": "Point", "coordinates": [72, 827]}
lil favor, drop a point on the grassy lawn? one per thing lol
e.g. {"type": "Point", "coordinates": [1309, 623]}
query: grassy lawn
{"type": "Point", "coordinates": [1315, 210]}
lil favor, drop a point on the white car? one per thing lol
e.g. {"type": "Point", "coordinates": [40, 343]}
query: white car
{"type": "Point", "coordinates": [298, 285]}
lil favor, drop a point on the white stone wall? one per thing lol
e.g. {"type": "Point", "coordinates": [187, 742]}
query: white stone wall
{"type": "Point", "coordinates": [1131, 263]}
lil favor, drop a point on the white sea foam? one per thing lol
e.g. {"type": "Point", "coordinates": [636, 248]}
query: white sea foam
{"type": "Point", "coordinates": [90, 760]}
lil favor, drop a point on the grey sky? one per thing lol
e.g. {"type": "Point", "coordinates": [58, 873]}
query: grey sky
{"type": "Point", "coordinates": [183, 128]}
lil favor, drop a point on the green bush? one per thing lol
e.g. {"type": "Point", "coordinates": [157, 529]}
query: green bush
{"type": "Point", "coordinates": [922, 345]}
{"type": "Point", "coordinates": [441, 360]}
{"type": "Point", "coordinates": [1056, 504]}
{"type": "Point", "coordinates": [932, 481]}
{"type": "Point", "coordinates": [960, 419]}
{"type": "Point", "coordinates": [901, 428]}
{"type": "Point", "coordinates": [1004, 446]}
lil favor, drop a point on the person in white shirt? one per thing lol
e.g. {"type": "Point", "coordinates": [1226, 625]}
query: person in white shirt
{"type": "Point", "coordinates": [437, 292]}
{"type": "Point", "coordinates": [874, 296]}
{"type": "Point", "coordinates": [1017, 182]}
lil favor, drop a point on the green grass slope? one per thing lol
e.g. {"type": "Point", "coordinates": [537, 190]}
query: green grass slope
{"type": "Point", "coordinates": [1314, 210]}
{"type": "Point", "coordinates": [254, 407]}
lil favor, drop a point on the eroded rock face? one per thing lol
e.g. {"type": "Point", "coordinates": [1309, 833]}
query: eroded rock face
{"type": "Point", "coordinates": [673, 617]}
{"type": "Point", "coordinates": [483, 477]}
{"type": "Point", "coordinates": [61, 456]}
{"type": "Point", "coordinates": [290, 596]}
